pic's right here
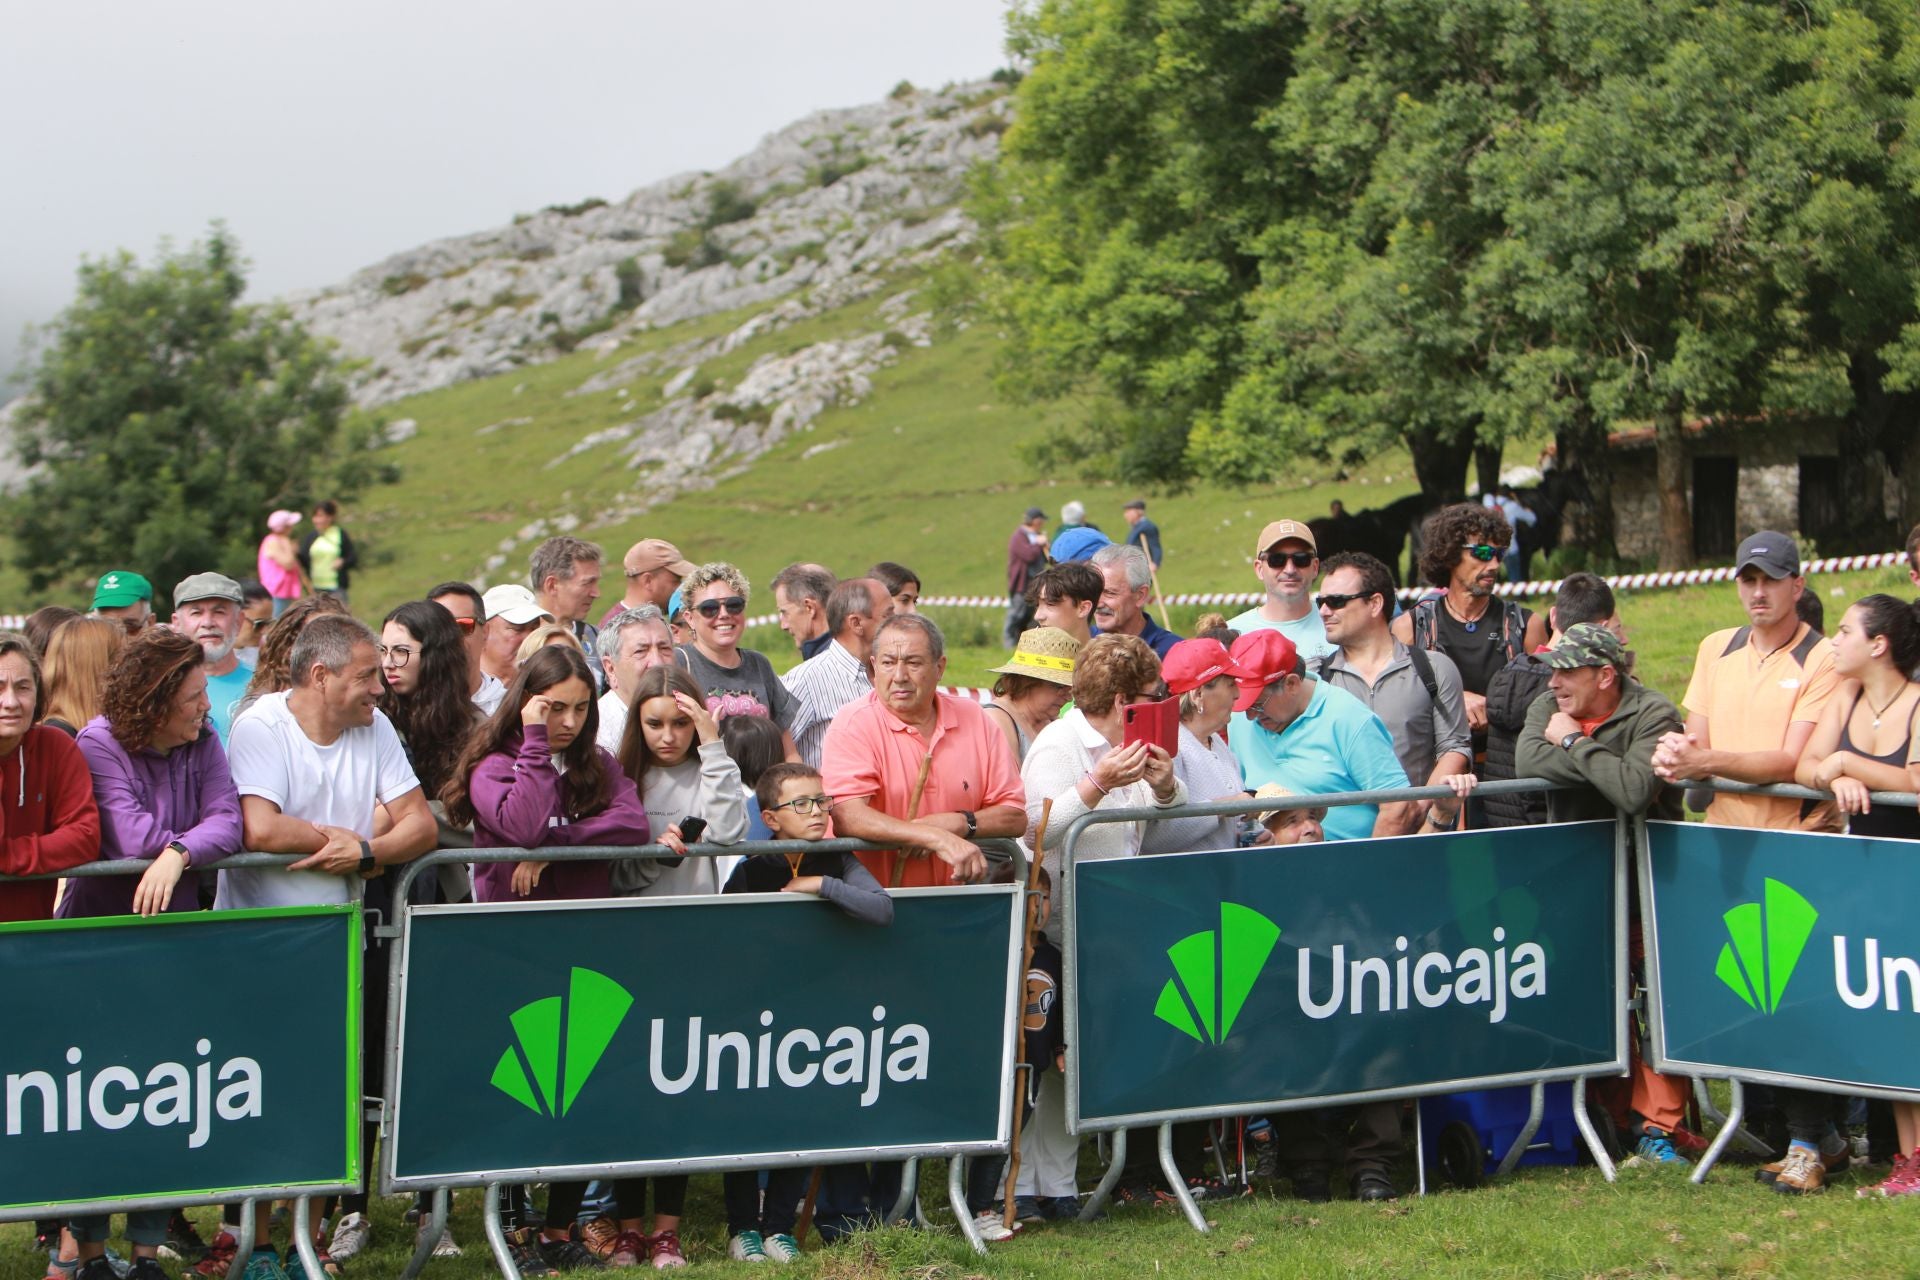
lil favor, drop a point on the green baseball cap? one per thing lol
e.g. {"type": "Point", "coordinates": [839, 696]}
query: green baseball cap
{"type": "Point", "coordinates": [119, 588]}
{"type": "Point", "coordinates": [1587, 644]}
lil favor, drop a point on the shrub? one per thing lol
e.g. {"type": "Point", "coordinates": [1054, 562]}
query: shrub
{"type": "Point", "coordinates": [394, 286]}
{"type": "Point", "coordinates": [693, 249]}
{"type": "Point", "coordinates": [627, 273]}
{"type": "Point", "coordinates": [575, 210]}
{"type": "Point", "coordinates": [903, 91]}
{"type": "Point", "coordinates": [727, 203]}
{"type": "Point", "coordinates": [836, 167]}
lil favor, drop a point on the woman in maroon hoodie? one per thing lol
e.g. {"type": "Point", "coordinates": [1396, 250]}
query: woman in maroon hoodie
{"type": "Point", "coordinates": [533, 776]}
{"type": "Point", "coordinates": [47, 817]}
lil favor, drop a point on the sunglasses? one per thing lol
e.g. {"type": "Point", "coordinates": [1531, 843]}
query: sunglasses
{"type": "Point", "coordinates": [804, 805]}
{"type": "Point", "coordinates": [1280, 559]}
{"type": "Point", "coordinates": [734, 605]}
{"type": "Point", "coordinates": [1484, 551]}
{"type": "Point", "coordinates": [1334, 600]}
{"type": "Point", "coordinates": [465, 624]}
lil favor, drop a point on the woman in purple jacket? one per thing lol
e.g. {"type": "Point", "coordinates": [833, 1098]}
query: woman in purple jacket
{"type": "Point", "coordinates": [161, 783]}
{"type": "Point", "coordinates": [533, 776]}
{"type": "Point", "coordinates": [159, 778]}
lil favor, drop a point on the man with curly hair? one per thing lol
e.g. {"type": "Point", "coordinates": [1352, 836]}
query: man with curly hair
{"type": "Point", "coordinates": [1460, 550]}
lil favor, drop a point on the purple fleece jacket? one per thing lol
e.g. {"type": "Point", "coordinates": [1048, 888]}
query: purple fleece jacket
{"type": "Point", "coordinates": [147, 801]}
{"type": "Point", "coordinates": [517, 804]}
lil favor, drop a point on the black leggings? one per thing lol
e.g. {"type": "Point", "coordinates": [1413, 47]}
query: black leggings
{"type": "Point", "coordinates": [785, 1189]}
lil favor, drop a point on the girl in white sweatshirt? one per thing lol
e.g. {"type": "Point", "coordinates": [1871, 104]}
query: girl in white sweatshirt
{"type": "Point", "coordinates": [673, 752]}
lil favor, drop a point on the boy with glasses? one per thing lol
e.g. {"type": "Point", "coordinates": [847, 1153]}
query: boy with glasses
{"type": "Point", "coordinates": [1287, 560]}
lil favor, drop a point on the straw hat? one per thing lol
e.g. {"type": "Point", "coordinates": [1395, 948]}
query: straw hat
{"type": "Point", "coordinates": [1044, 653]}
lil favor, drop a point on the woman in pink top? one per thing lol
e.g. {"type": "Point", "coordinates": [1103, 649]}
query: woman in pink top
{"type": "Point", "coordinates": [280, 571]}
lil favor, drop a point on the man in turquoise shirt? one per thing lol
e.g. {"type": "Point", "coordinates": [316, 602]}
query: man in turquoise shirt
{"type": "Point", "coordinates": [1314, 739]}
{"type": "Point", "coordinates": [206, 607]}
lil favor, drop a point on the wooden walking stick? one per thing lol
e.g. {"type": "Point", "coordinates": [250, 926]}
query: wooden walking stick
{"type": "Point", "coordinates": [1153, 575]}
{"type": "Point", "coordinates": [913, 811]}
{"type": "Point", "coordinates": [1009, 1211]}
{"type": "Point", "coordinates": [804, 1223]}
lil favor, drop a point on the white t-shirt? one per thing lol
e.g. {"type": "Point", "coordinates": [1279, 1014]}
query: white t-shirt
{"type": "Point", "coordinates": [338, 785]}
{"type": "Point", "coordinates": [490, 694]}
{"type": "Point", "coordinates": [613, 722]}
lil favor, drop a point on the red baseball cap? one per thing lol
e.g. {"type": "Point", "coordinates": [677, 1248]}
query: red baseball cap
{"type": "Point", "coordinates": [1192, 663]}
{"type": "Point", "coordinates": [1265, 656]}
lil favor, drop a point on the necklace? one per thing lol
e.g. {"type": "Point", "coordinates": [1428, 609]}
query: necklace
{"type": "Point", "coordinates": [1470, 625]}
{"type": "Point", "coordinates": [1877, 712]}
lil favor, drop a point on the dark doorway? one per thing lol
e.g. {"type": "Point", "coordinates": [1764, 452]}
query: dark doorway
{"type": "Point", "coordinates": [1820, 517]}
{"type": "Point", "coordinates": [1716, 482]}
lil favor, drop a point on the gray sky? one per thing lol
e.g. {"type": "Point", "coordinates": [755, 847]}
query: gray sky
{"type": "Point", "coordinates": [330, 135]}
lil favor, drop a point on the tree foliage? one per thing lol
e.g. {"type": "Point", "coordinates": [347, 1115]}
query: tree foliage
{"type": "Point", "coordinates": [165, 419]}
{"type": "Point", "coordinates": [1273, 229]}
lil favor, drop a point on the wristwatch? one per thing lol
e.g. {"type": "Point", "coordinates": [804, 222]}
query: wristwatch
{"type": "Point", "coordinates": [973, 823]}
{"type": "Point", "coordinates": [186, 855]}
{"type": "Point", "coordinates": [1566, 743]}
{"type": "Point", "coordinates": [368, 863]}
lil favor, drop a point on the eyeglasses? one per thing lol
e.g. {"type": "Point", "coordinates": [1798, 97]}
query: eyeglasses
{"type": "Point", "coordinates": [1280, 559]}
{"type": "Point", "coordinates": [1334, 600]}
{"type": "Point", "coordinates": [806, 804]}
{"type": "Point", "coordinates": [1484, 551]}
{"type": "Point", "coordinates": [710, 609]}
{"type": "Point", "coordinates": [400, 654]}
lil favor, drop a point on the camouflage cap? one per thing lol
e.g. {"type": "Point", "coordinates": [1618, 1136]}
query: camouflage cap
{"type": "Point", "coordinates": [1587, 644]}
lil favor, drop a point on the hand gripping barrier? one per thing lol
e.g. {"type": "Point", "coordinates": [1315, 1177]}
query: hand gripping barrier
{"type": "Point", "coordinates": [1067, 888]}
{"type": "Point", "coordinates": [395, 932]}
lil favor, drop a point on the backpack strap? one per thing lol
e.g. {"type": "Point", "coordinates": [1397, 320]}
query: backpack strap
{"type": "Point", "coordinates": [1423, 667]}
{"type": "Point", "coordinates": [1423, 611]}
{"type": "Point", "coordinates": [1513, 630]}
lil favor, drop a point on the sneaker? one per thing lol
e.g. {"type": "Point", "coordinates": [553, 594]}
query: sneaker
{"type": "Point", "coordinates": [1027, 1209]}
{"type": "Point", "coordinates": [663, 1250]}
{"type": "Point", "coordinates": [1266, 1154]}
{"type": "Point", "coordinates": [95, 1269]}
{"type": "Point", "coordinates": [219, 1257]}
{"type": "Point", "coordinates": [350, 1237]}
{"type": "Point", "coordinates": [1802, 1173]}
{"type": "Point", "coordinates": [1060, 1208]}
{"type": "Point", "coordinates": [183, 1243]}
{"type": "Point", "coordinates": [1900, 1182]}
{"type": "Point", "coordinates": [147, 1269]}
{"type": "Point", "coordinates": [747, 1246]}
{"type": "Point", "coordinates": [527, 1260]}
{"type": "Point", "coordinates": [781, 1247]}
{"type": "Point", "coordinates": [569, 1255]}
{"type": "Point", "coordinates": [445, 1246]}
{"type": "Point", "coordinates": [599, 1235]}
{"type": "Point", "coordinates": [1204, 1189]}
{"type": "Point", "coordinates": [1656, 1148]}
{"type": "Point", "coordinates": [992, 1227]}
{"type": "Point", "coordinates": [1126, 1194]}
{"type": "Point", "coordinates": [264, 1264]}
{"type": "Point", "coordinates": [1833, 1163]}
{"type": "Point", "coordinates": [297, 1270]}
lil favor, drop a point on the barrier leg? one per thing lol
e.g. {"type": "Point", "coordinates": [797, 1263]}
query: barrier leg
{"type": "Point", "coordinates": [243, 1243]}
{"type": "Point", "coordinates": [1116, 1161]}
{"type": "Point", "coordinates": [1536, 1107]}
{"type": "Point", "coordinates": [909, 1190]}
{"type": "Point", "coordinates": [497, 1234]}
{"type": "Point", "coordinates": [430, 1229]}
{"type": "Point", "coordinates": [1584, 1123]}
{"type": "Point", "coordinates": [1736, 1111]}
{"type": "Point", "coordinates": [303, 1237]}
{"type": "Point", "coordinates": [957, 1198]}
{"type": "Point", "coordinates": [1742, 1135]}
{"type": "Point", "coordinates": [1195, 1218]}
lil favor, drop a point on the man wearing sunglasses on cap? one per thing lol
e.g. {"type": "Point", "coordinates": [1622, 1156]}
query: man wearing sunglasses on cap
{"type": "Point", "coordinates": [1286, 560]}
{"type": "Point", "coordinates": [469, 610]}
{"type": "Point", "coordinates": [1460, 550]}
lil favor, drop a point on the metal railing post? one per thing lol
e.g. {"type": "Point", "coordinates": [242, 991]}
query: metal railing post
{"type": "Point", "coordinates": [497, 1234]}
{"type": "Point", "coordinates": [962, 1211]}
{"type": "Point", "coordinates": [1736, 1111]}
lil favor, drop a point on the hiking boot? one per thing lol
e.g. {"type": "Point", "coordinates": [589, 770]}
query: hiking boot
{"type": "Point", "coordinates": [781, 1247]}
{"type": "Point", "coordinates": [527, 1260]}
{"type": "Point", "coordinates": [147, 1269]}
{"type": "Point", "coordinates": [1266, 1154]}
{"type": "Point", "coordinates": [1373, 1184]}
{"type": "Point", "coordinates": [747, 1246]}
{"type": "Point", "coordinates": [1802, 1173]}
{"type": "Point", "coordinates": [1656, 1148]}
{"type": "Point", "coordinates": [183, 1243]}
{"type": "Point", "coordinates": [350, 1237]}
{"type": "Point", "coordinates": [1836, 1162]}
{"type": "Point", "coordinates": [1314, 1187]}
{"type": "Point", "coordinates": [663, 1251]}
{"type": "Point", "coordinates": [218, 1258]}
{"type": "Point", "coordinates": [600, 1235]}
{"type": "Point", "coordinates": [569, 1255]}
{"type": "Point", "coordinates": [96, 1269]}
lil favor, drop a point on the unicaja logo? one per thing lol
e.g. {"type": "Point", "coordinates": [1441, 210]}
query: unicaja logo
{"type": "Point", "coordinates": [1214, 973]}
{"type": "Point", "coordinates": [1765, 942]}
{"type": "Point", "coordinates": [558, 1042]}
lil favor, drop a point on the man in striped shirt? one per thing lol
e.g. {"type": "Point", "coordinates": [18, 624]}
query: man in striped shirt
{"type": "Point", "coordinates": [841, 672]}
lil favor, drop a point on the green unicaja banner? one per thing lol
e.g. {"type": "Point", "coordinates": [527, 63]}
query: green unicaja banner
{"type": "Point", "coordinates": [182, 1058]}
{"type": "Point", "coordinates": [1783, 956]}
{"type": "Point", "coordinates": [647, 1035]}
{"type": "Point", "coordinates": [1222, 983]}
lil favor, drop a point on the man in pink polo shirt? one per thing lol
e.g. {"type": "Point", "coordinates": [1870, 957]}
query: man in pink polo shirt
{"type": "Point", "coordinates": [871, 762]}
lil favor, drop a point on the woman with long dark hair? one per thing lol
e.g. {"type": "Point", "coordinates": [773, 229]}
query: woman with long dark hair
{"type": "Point", "coordinates": [423, 660]}
{"type": "Point", "coordinates": [533, 776]}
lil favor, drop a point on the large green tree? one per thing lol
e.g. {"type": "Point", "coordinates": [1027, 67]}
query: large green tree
{"type": "Point", "coordinates": [164, 419]}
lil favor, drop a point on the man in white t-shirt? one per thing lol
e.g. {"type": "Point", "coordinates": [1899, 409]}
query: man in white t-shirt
{"type": "Point", "coordinates": [630, 641]}
{"type": "Point", "coordinates": [313, 766]}
{"type": "Point", "coordinates": [1286, 560]}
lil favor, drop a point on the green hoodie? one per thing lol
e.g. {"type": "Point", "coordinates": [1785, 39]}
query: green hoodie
{"type": "Point", "coordinates": [1613, 767]}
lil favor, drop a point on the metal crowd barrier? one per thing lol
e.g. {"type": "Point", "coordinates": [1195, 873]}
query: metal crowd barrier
{"type": "Point", "coordinates": [392, 933]}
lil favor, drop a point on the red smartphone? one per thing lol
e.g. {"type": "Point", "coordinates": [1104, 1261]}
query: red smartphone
{"type": "Point", "coordinates": [1154, 723]}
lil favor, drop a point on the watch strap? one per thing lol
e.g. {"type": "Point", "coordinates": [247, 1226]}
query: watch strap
{"type": "Point", "coordinates": [367, 861]}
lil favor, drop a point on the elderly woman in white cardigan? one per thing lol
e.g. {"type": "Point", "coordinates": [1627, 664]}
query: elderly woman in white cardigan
{"type": "Point", "coordinates": [1078, 763]}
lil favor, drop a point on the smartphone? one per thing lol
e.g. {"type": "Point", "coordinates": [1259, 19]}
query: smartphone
{"type": "Point", "coordinates": [1154, 723]}
{"type": "Point", "coordinates": [691, 829]}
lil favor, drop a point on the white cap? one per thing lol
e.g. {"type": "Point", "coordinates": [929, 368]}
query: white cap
{"type": "Point", "coordinates": [513, 602]}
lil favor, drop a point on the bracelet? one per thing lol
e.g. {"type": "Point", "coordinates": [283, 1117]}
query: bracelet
{"type": "Point", "coordinates": [1096, 784]}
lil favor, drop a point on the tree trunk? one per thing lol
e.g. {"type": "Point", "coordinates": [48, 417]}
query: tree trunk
{"type": "Point", "coordinates": [1874, 438]}
{"type": "Point", "coordinates": [1486, 466]}
{"type": "Point", "coordinates": [1585, 489]}
{"type": "Point", "coordinates": [1440, 466]}
{"type": "Point", "coordinates": [1671, 475]}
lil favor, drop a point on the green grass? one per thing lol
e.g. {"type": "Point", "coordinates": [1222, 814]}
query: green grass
{"type": "Point", "coordinates": [1561, 1222]}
